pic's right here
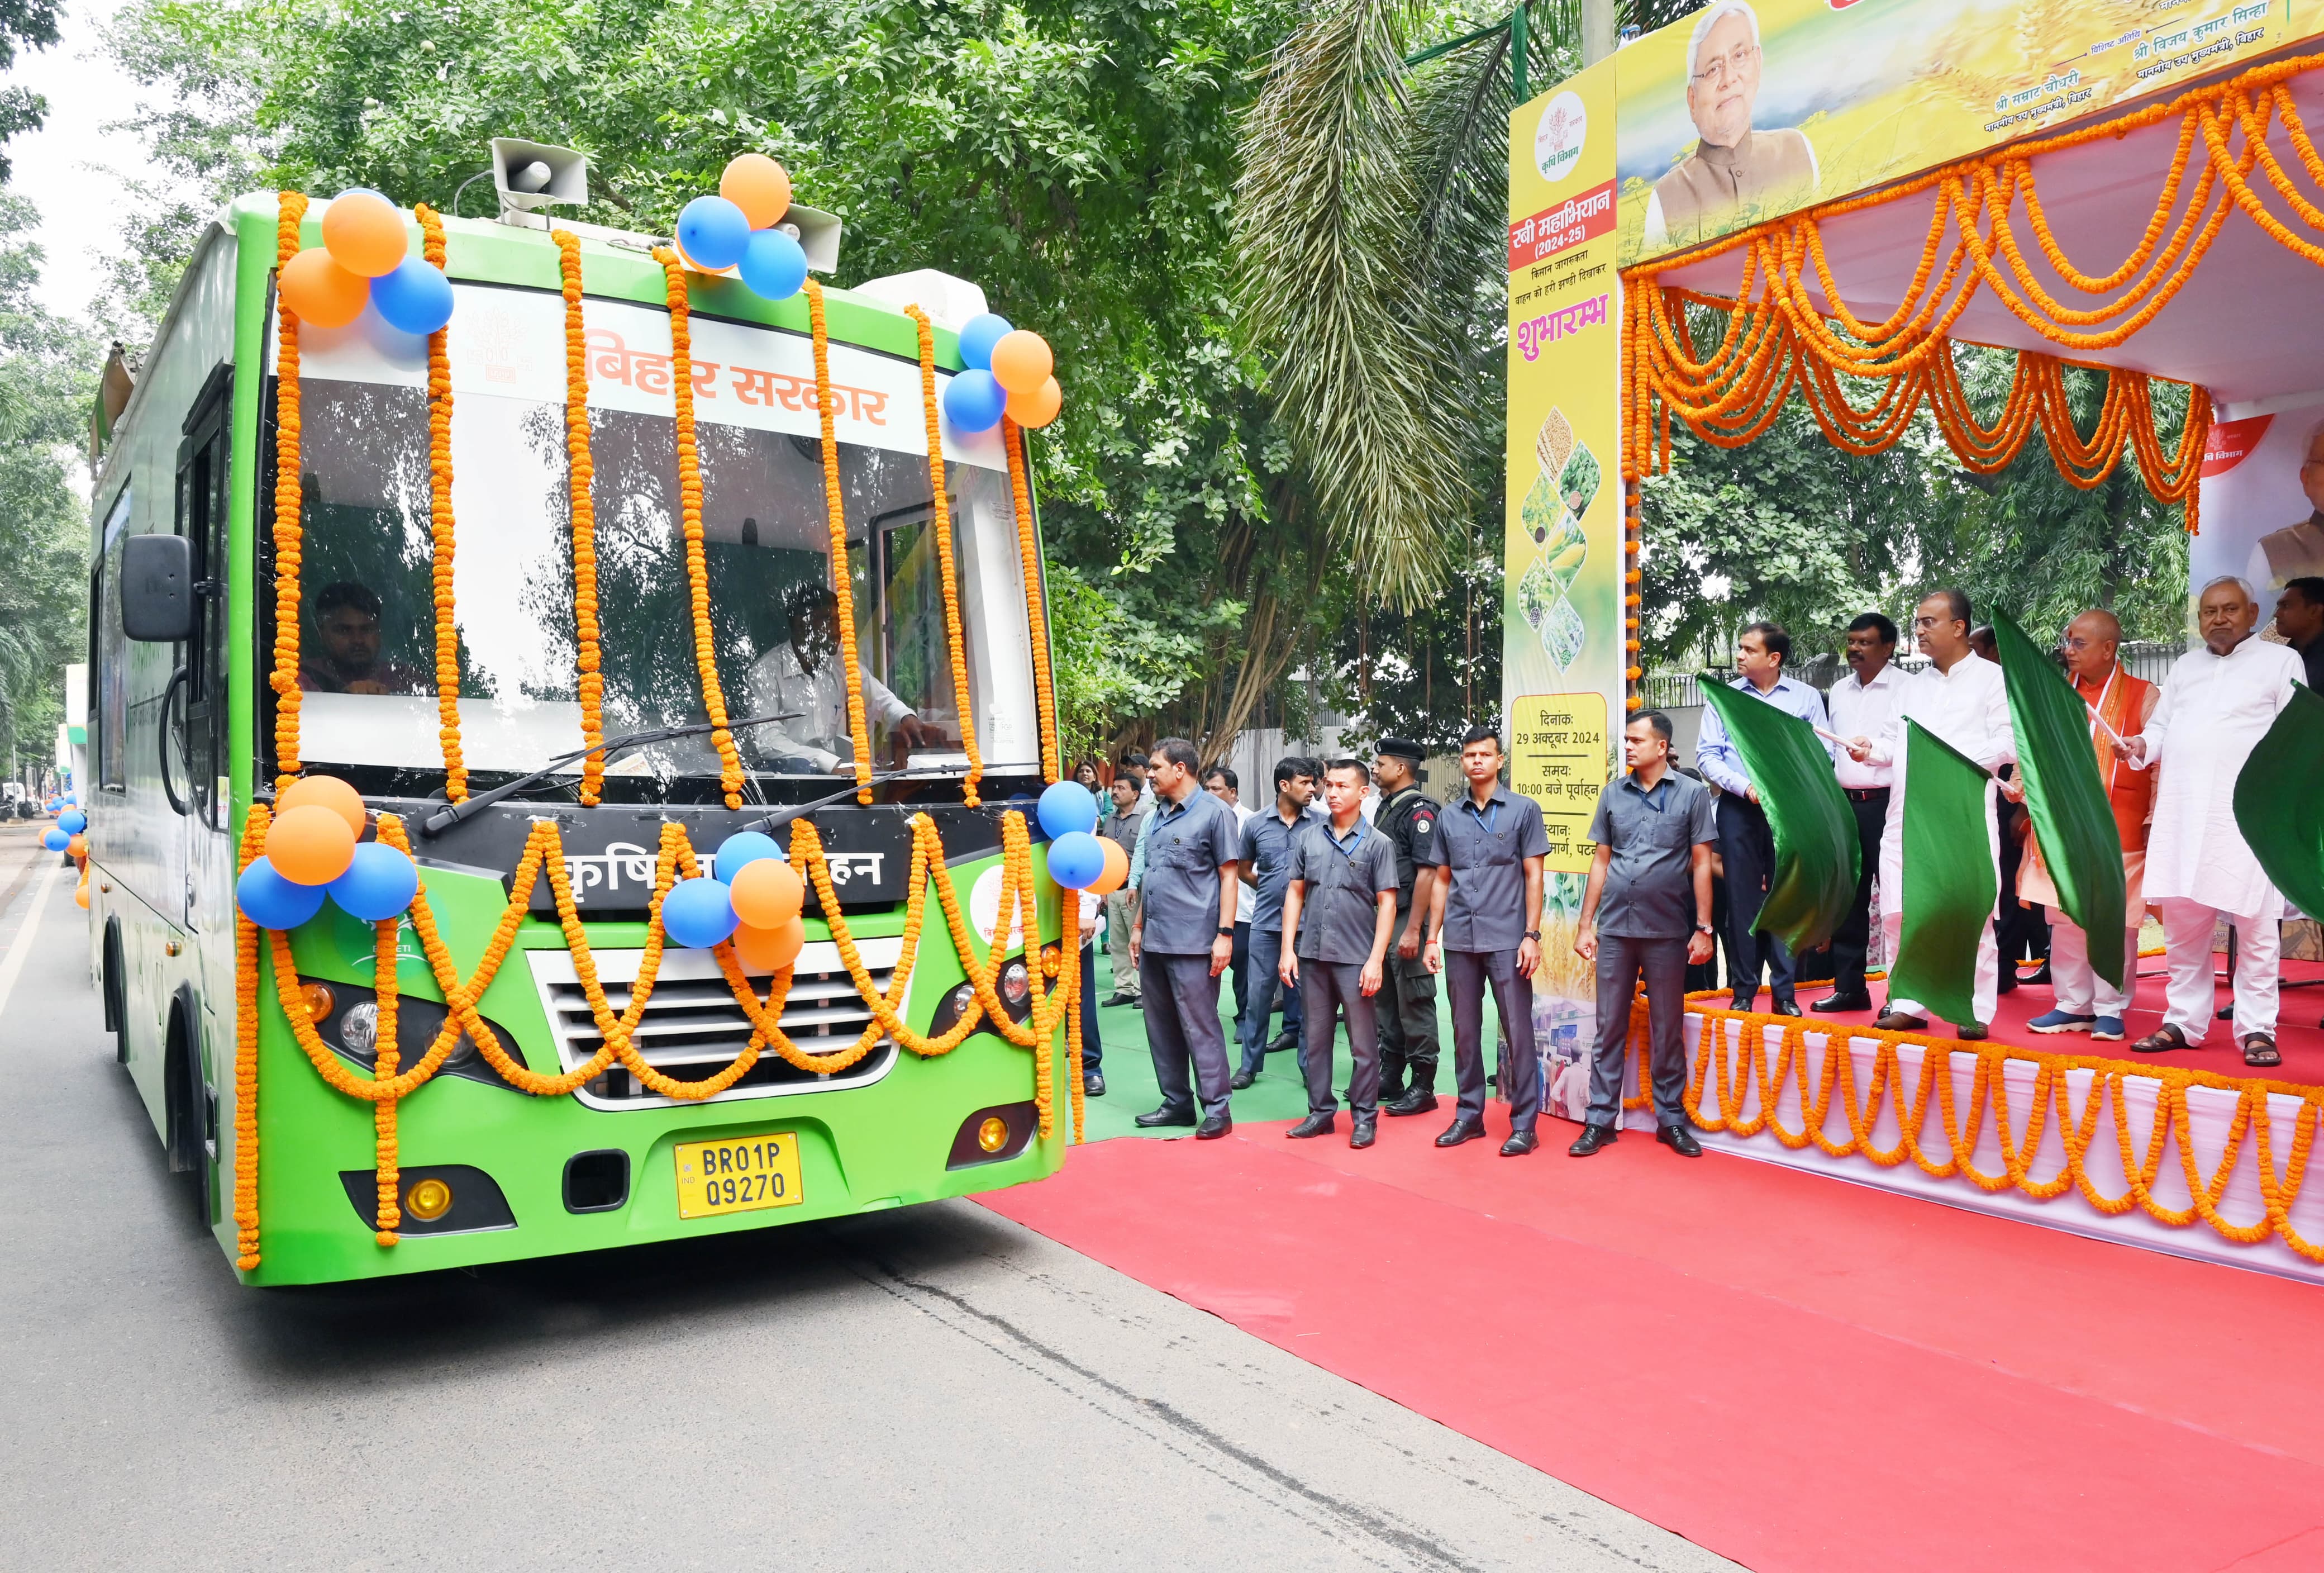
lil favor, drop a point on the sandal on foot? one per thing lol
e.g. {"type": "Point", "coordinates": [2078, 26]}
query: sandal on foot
{"type": "Point", "coordinates": [2161, 1040]}
{"type": "Point", "coordinates": [2259, 1050]}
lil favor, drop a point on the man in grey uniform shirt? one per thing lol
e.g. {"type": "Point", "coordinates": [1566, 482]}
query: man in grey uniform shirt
{"type": "Point", "coordinates": [1647, 911]}
{"type": "Point", "coordinates": [1338, 914]}
{"type": "Point", "coordinates": [1484, 921]}
{"type": "Point", "coordinates": [1184, 939]}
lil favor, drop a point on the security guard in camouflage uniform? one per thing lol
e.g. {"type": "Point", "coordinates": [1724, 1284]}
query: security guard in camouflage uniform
{"type": "Point", "coordinates": [1407, 1001]}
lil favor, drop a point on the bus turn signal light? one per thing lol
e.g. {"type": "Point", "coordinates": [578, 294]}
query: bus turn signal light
{"type": "Point", "coordinates": [318, 1000]}
{"type": "Point", "coordinates": [428, 1200]}
{"type": "Point", "coordinates": [993, 1135]}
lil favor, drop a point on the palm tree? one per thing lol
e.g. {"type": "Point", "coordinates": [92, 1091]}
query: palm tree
{"type": "Point", "coordinates": [1369, 226]}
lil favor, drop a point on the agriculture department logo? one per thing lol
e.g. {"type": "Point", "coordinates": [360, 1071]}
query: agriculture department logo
{"type": "Point", "coordinates": [1557, 140]}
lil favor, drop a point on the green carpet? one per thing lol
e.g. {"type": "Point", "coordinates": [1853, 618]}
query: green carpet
{"type": "Point", "coordinates": [1277, 1093]}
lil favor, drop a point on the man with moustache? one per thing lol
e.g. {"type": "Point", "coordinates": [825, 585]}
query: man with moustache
{"type": "Point", "coordinates": [1864, 706]}
{"type": "Point", "coordinates": [1407, 998]}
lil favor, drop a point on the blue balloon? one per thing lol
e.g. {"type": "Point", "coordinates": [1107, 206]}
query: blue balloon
{"type": "Point", "coordinates": [713, 232]}
{"type": "Point", "coordinates": [773, 265]}
{"type": "Point", "coordinates": [697, 913]}
{"type": "Point", "coordinates": [378, 884]}
{"type": "Point", "coordinates": [972, 401]}
{"type": "Point", "coordinates": [272, 902]}
{"type": "Point", "coordinates": [1067, 807]}
{"type": "Point", "coordinates": [978, 335]}
{"type": "Point", "coordinates": [72, 796]}
{"type": "Point", "coordinates": [416, 297]}
{"type": "Point", "coordinates": [1077, 859]}
{"type": "Point", "coordinates": [742, 848]}
{"type": "Point", "coordinates": [55, 840]}
{"type": "Point", "coordinates": [72, 821]}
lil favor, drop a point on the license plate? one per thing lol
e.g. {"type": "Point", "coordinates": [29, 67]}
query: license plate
{"type": "Point", "coordinates": [738, 1174]}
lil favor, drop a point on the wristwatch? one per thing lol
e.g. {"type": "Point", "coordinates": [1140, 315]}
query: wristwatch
{"type": "Point", "coordinates": [1533, 934]}
{"type": "Point", "coordinates": [1705, 928]}
{"type": "Point", "coordinates": [1225, 932]}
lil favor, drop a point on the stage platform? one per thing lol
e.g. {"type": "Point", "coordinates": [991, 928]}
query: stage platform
{"type": "Point", "coordinates": [1792, 1372]}
{"type": "Point", "coordinates": [2189, 1152]}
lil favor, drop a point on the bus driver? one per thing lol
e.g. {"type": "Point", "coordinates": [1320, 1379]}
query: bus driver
{"type": "Point", "coordinates": [803, 675]}
{"type": "Point", "coordinates": [344, 656]}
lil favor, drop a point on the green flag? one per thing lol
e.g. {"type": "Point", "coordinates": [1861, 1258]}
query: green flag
{"type": "Point", "coordinates": [2278, 807]}
{"type": "Point", "coordinates": [1951, 883]}
{"type": "Point", "coordinates": [1816, 856]}
{"type": "Point", "coordinates": [2064, 797]}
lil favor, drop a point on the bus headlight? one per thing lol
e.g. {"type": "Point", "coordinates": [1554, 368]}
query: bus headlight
{"type": "Point", "coordinates": [992, 1134]}
{"type": "Point", "coordinates": [1016, 988]}
{"type": "Point", "coordinates": [359, 1031]}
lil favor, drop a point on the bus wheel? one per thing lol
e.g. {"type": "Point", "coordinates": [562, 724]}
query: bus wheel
{"type": "Point", "coordinates": [190, 1109]}
{"type": "Point", "coordinates": [115, 995]}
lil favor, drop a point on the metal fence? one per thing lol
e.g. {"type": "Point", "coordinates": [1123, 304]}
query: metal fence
{"type": "Point", "coordinates": [1675, 690]}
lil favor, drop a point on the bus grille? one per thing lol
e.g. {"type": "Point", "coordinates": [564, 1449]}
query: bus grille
{"type": "Point", "coordinates": [692, 1027]}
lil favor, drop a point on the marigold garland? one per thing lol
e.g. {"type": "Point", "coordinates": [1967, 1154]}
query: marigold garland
{"type": "Point", "coordinates": [289, 503]}
{"type": "Point", "coordinates": [581, 472]}
{"type": "Point", "coordinates": [245, 1052]}
{"type": "Point", "coordinates": [690, 498]}
{"type": "Point", "coordinates": [1029, 551]}
{"type": "Point", "coordinates": [389, 1084]}
{"type": "Point", "coordinates": [1733, 1067]}
{"type": "Point", "coordinates": [835, 507]}
{"type": "Point", "coordinates": [440, 528]}
{"type": "Point", "coordinates": [940, 525]}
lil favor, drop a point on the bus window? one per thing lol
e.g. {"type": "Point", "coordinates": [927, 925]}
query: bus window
{"type": "Point", "coordinates": [112, 654]}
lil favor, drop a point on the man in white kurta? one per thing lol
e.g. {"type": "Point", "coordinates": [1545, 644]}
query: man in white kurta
{"type": "Point", "coordinates": [803, 680]}
{"type": "Point", "coordinates": [1960, 697]}
{"type": "Point", "coordinates": [2216, 704]}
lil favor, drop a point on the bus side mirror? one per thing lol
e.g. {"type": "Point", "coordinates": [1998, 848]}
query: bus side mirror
{"type": "Point", "coordinates": [157, 588]}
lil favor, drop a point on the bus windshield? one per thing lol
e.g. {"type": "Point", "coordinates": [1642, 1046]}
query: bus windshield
{"type": "Point", "coordinates": [367, 639]}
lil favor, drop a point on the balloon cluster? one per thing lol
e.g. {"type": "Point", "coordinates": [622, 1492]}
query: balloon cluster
{"type": "Point", "coordinates": [1080, 859]}
{"type": "Point", "coordinates": [365, 260]}
{"type": "Point", "coordinates": [757, 900]}
{"type": "Point", "coordinates": [737, 229]}
{"type": "Point", "coordinates": [1008, 371]}
{"type": "Point", "coordinates": [313, 850]}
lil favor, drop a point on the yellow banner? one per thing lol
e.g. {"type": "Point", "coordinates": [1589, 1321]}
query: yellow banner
{"type": "Point", "coordinates": [1749, 109]}
{"type": "Point", "coordinates": [1561, 622]}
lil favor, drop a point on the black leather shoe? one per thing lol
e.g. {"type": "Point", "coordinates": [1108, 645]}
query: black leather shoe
{"type": "Point", "coordinates": [1366, 1130]}
{"type": "Point", "coordinates": [1833, 1004]}
{"type": "Point", "coordinates": [1211, 1129]}
{"type": "Point", "coordinates": [1679, 1140]}
{"type": "Point", "coordinates": [1519, 1144]}
{"type": "Point", "coordinates": [1785, 1007]}
{"type": "Point", "coordinates": [1239, 1079]}
{"type": "Point", "coordinates": [1460, 1131]}
{"type": "Point", "coordinates": [1283, 1041]}
{"type": "Point", "coordinates": [1093, 1084]}
{"type": "Point", "coordinates": [1592, 1137]}
{"type": "Point", "coordinates": [1118, 999]}
{"type": "Point", "coordinates": [1418, 1100]}
{"type": "Point", "coordinates": [1313, 1125]}
{"type": "Point", "coordinates": [1165, 1115]}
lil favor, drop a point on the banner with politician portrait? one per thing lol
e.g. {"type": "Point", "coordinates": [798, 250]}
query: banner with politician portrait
{"type": "Point", "coordinates": [2261, 504]}
{"type": "Point", "coordinates": [1749, 109]}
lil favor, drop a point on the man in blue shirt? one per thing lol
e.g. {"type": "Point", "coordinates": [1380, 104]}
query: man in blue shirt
{"type": "Point", "coordinates": [1185, 938]}
{"type": "Point", "coordinates": [1339, 913]}
{"type": "Point", "coordinates": [1269, 842]}
{"type": "Point", "coordinates": [1747, 846]}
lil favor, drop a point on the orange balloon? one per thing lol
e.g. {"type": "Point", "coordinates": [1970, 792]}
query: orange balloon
{"type": "Point", "coordinates": [769, 950]}
{"type": "Point", "coordinates": [759, 186]}
{"type": "Point", "coordinates": [364, 232]}
{"type": "Point", "coordinates": [694, 267]}
{"type": "Point", "coordinates": [319, 290]}
{"type": "Point", "coordinates": [78, 848]}
{"type": "Point", "coordinates": [1039, 408]}
{"type": "Point", "coordinates": [311, 844]}
{"type": "Point", "coordinates": [1116, 869]}
{"type": "Point", "coordinates": [767, 893]}
{"type": "Point", "coordinates": [1021, 361]}
{"type": "Point", "coordinates": [80, 897]}
{"type": "Point", "coordinates": [330, 791]}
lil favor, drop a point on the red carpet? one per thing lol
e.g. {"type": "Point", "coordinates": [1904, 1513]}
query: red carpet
{"type": "Point", "coordinates": [2300, 1031]}
{"type": "Point", "coordinates": [1792, 1371]}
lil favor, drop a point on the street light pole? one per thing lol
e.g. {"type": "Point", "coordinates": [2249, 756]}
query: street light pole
{"type": "Point", "coordinates": [1599, 28]}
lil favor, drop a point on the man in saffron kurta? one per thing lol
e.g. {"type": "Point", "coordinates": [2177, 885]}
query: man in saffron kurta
{"type": "Point", "coordinates": [2216, 704]}
{"type": "Point", "coordinates": [2120, 705]}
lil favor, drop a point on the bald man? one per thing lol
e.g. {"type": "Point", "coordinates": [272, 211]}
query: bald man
{"type": "Point", "coordinates": [2216, 704]}
{"type": "Point", "coordinates": [2120, 706]}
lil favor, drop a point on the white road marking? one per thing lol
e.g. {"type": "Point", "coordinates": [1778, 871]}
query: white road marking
{"type": "Point", "coordinates": [23, 945]}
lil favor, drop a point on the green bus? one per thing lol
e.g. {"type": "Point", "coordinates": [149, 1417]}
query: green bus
{"type": "Point", "coordinates": [194, 571]}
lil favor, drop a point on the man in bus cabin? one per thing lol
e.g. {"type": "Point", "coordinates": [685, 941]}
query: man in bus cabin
{"type": "Point", "coordinates": [344, 656]}
{"type": "Point", "coordinates": [803, 675]}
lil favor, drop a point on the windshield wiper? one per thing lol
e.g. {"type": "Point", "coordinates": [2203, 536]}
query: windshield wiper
{"type": "Point", "coordinates": [451, 814]}
{"type": "Point", "coordinates": [776, 818]}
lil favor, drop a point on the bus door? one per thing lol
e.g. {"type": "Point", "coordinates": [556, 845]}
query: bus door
{"type": "Point", "coordinates": [198, 774]}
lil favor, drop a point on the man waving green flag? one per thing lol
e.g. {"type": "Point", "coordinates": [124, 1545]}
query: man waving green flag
{"type": "Point", "coordinates": [1950, 881]}
{"type": "Point", "coordinates": [2080, 845]}
{"type": "Point", "coordinates": [1816, 854]}
{"type": "Point", "coordinates": [2282, 819]}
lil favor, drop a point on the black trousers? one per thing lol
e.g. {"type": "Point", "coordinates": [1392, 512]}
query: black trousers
{"type": "Point", "coordinates": [1853, 939]}
{"type": "Point", "coordinates": [1239, 966]}
{"type": "Point", "coordinates": [1407, 1022]}
{"type": "Point", "coordinates": [1746, 845]}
